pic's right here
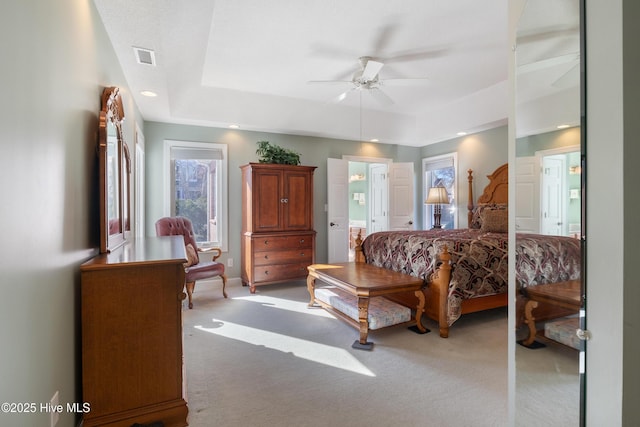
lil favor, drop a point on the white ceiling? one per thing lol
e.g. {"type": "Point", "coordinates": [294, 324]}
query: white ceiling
{"type": "Point", "coordinates": [248, 62]}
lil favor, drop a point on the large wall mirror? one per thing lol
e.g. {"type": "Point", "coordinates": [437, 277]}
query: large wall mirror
{"type": "Point", "coordinates": [114, 171]}
{"type": "Point", "coordinates": [549, 197]}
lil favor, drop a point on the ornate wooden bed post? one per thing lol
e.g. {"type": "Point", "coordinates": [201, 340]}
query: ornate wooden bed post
{"type": "Point", "coordinates": [359, 255]}
{"type": "Point", "coordinates": [440, 280]}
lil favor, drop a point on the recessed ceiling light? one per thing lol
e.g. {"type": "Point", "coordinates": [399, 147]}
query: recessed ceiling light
{"type": "Point", "coordinates": [148, 93]}
{"type": "Point", "coordinates": [563, 126]}
{"type": "Point", "coordinates": [461, 133]}
{"type": "Point", "coordinates": [234, 126]}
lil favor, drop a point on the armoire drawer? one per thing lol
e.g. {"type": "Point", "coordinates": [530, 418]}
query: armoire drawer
{"type": "Point", "coordinates": [269, 273]}
{"type": "Point", "coordinates": [270, 243]}
{"type": "Point", "coordinates": [283, 257]}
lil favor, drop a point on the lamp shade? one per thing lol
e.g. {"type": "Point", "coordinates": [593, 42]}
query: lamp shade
{"type": "Point", "coordinates": [437, 196]}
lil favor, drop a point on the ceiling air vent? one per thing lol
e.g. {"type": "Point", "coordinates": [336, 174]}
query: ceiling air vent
{"type": "Point", "coordinates": [145, 56]}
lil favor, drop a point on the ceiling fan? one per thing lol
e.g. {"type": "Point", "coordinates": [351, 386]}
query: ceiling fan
{"type": "Point", "coordinates": [367, 78]}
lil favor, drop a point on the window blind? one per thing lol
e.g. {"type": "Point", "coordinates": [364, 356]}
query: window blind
{"type": "Point", "coordinates": [443, 163]}
{"type": "Point", "coordinates": [190, 153]}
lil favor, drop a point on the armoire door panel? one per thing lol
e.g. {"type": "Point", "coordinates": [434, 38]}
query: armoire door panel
{"type": "Point", "coordinates": [267, 195]}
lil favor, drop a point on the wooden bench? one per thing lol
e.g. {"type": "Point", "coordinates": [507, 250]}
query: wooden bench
{"type": "Point", "coordinates": [565, 295]}
{"type": "Point", "coordinates": [356, 295]}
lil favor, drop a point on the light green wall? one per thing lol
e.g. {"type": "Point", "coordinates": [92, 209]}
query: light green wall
{"type": "Point", "coordinates": [527, 146]}
{"type": "Point", "coordinates": [56, 61]}
{"type": "Point", "coordinates": [358, 211]}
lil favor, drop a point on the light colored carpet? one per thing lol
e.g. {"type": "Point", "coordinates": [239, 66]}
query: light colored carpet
{"type": "Point", "coordinates": [267, 360]}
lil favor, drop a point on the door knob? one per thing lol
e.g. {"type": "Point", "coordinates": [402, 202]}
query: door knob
{"type": "Point", "coordinates": [333, 224]}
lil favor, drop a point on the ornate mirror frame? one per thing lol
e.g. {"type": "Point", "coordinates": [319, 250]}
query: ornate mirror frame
{"type": "Point", "coordinates": [114, 170]}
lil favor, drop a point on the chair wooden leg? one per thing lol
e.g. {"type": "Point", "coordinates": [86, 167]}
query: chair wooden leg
{"type": "Point", "coordinates": [224, 284]}
{"type": "Point", "coordinates": [190, 286]}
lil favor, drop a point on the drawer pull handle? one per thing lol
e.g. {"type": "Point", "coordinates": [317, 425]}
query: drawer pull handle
{"type": "Point", "coordinates": [266, 257]}
{"type": "Point", "coordinates": [301, 240]}
{"type": "Point", "coordinates": [266, 242]}
{"type": "Point", "coordinates": [266, 273]}
{"type": "Point", "coordinates": [301, 253]}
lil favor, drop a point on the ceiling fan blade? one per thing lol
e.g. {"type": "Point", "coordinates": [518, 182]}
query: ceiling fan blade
{"type": "Point", "coordinates": [371, 70]}
{"type": "Point", "coordinates": [331, 82]}
{"type": "Point", "coordinates": [384, 36]}
{"type": "Point", "coordinates": [416, 55]}
{"type": "Point", "coordinates": [381, 97]}
{"type": "Point", "coordinates": [406, 81]}
{"type": "Point", "coordinates": [342, 96]}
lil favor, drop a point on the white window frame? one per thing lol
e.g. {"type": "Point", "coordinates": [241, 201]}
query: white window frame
{"type": "Point", "coordinates": [222, 184]}
{"type": "Point", "coordinates": [427, 211]}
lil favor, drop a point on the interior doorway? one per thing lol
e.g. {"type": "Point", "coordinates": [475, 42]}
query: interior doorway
{"type": "Point", "coordinates": [548, 195]}
{"type": "Point", "coordinates": [560, 191]}
{"type": "Point", "coordinates": [378, 196]}
{"type": "Point", "coordinates": [368, 200]}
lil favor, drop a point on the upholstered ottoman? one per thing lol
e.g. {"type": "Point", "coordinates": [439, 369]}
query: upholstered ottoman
{"type": "Point", "coordinates": [382, 312]}
{"type": "Point", "coordinates": [564, 331]}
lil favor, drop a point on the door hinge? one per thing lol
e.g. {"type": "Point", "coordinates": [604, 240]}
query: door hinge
{"type": "Point", "coordinates": [583, 334]}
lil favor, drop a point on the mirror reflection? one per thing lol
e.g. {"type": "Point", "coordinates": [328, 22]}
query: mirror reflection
{"type": "Point", "coordinates": [113, 181]}
{"type": "Point", "coordinates": [548, 213]}
{"type": "Point", "coordinates": [114, 171]}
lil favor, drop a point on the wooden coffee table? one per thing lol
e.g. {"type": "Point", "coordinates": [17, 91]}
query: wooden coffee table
{"type": "Point", "coordinates": [366, 281]}
{"type": "Point", "coordinates": [563, 294]}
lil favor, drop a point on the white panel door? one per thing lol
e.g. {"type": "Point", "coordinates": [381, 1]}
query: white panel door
{"type": "Point", "coordinates": [552, 203]}
{"type": "Point", "coordinates": [378, 200]}
{"type": "Point", "coordinates": [527, 194]}
{"type": "Point", "coordinates": [338, 210]}
{"type": "Point", "coordinates": [401, 196]}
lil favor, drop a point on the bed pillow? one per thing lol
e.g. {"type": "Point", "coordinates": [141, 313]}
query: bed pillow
{"type": "Point", "coordinates": [192, 256]}
{"type": "Point", "coordinates": [476, 218]}
{"type": "Point", "coordinates": [495, 221]}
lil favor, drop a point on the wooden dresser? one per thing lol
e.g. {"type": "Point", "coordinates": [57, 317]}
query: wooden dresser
{"type": "Point", "coordinates": [132, 363]}
{"type": "Point", "coordinates": [278, 239]}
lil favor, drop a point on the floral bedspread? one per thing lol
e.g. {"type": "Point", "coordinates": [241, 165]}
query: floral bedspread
{"type": "Point", "coordinates": [479, 259]}
{"type": "Point", "coordinates": [546, 259]}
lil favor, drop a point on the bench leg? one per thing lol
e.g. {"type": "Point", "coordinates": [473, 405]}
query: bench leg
{"type": "Point", "coordinates": [530, 341]}
{"type": "Point", "coordinates": [363, 319]}
{"type": "Point", "coordinates": [419, 310]}
{"type": "Point", "coordinates": [311, 286]}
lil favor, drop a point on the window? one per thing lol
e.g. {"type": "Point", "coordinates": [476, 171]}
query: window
{"type": "Point", "coordinates": [441, 170]}
{"type": "Point", "coordinates": [197, 188]}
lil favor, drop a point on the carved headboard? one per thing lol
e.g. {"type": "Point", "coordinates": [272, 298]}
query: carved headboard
{"type": "Point", "coordinates": [496, 192]}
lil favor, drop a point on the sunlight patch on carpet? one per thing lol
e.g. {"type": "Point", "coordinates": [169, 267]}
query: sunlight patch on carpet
{"type": "Point", "coordinates": [285, 304]}
{"type": "Point", "coordinates": [304, 349]}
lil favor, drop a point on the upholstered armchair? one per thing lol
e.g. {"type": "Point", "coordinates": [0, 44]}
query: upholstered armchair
{"type": "Point", "coordinates": [195, 268]}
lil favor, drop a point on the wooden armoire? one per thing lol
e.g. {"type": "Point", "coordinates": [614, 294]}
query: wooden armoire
{"type": "Point", "coordinates": [278, 239]}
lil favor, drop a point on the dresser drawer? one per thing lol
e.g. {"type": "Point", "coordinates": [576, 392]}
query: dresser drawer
{"type": "Point", "coordinates": [269, 273]}
{"type": "Point", "coordinates": [270, 243]}
{"type": "Point", "coordinates": [290, 256]}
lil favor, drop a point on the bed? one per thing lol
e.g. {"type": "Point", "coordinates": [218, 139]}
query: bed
{"type": "Point", "coordinates": [475, 260]}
